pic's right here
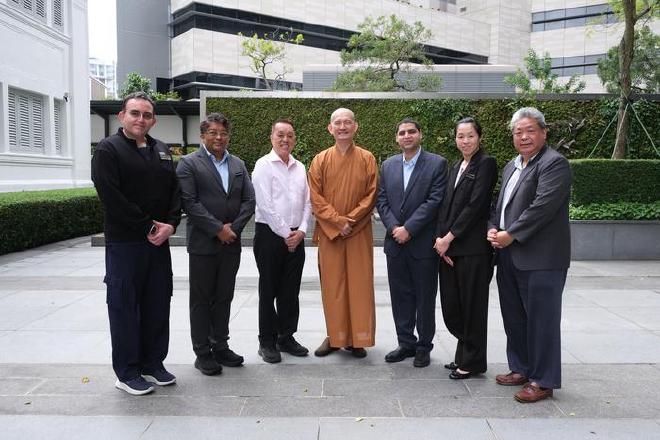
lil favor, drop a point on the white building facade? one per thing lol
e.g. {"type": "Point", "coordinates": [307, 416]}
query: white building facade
{"type": "Point", "coordinates": [576, 34]}
{"type": "Point", "coordinates": [44, 95]}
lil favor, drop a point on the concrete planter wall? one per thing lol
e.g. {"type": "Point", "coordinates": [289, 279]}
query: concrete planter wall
{"type": "Point", "coordinates": [615, 240]}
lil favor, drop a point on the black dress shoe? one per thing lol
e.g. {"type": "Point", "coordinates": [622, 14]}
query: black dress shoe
{"type": "Point", "coordinates": [422, 358]}
{"type": "Point", "coordinates": [228, 358]}
{"type": "Point", "coordinates": [456, 375]}
{"type": "Point", "coordinates": [400, 353]}
{"type": "Point", "coordinates": [291, 346]}
{"type": "Point", "coordinates": [207, 365]}
{"type": "Point", "coordinates": [451, 366]}
{"type": "Point", "coordinates": [358, 352]}
{"type": "Point", "coordinates": [269, 354]}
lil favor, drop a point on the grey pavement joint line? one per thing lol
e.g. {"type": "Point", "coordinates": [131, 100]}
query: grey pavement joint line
{"type": "Point", "coordinates": [492, 431]}
{"type": "Point", "coordinates": [146, 428]}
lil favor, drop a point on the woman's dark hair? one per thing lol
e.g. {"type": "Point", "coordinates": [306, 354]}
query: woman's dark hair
{"type": "Point", "coordinates": [470, 120]}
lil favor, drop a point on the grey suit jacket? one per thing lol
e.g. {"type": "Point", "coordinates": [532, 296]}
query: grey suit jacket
{"type": "Point", "coordinates": [417, 208]}
{"type": "Point", "coordinates": [537, 213]}
{"type": "Point", "coordinates": [207, 204]}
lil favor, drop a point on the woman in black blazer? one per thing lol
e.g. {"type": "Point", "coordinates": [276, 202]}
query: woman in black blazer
{"type": "Point", "coordinates": [465, 266]}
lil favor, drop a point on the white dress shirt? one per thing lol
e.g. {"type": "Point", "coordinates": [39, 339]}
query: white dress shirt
{"type": "Point", "coordinates": [513, 180]}
{"type": "Point", "coordinates": [282, 194]}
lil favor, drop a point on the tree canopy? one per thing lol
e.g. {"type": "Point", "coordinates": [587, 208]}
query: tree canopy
{"type": "Point", "coordinates": [383, 55]}
{"type": "Point", "coordinates": [268, 54]}
{"type": "Point", "coordinates": [539, 78]}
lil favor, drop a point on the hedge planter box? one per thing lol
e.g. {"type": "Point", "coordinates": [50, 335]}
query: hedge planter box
{"type": "Point", "coordinates": [615, 240]}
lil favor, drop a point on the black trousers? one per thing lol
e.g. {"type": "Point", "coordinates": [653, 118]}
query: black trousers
{"type": "Point", "coordinates": [139, 289]}
{"type": "Point", "coordinates": [413, 288]}
{"type": "Point", "coordinates": [464, 300]}
{"type": "Point", "coordinates": [212, 279]}
{"type": "Point", "coordinates": [531, 310]}
{"type": "Point", "coordinates": [280, 272]}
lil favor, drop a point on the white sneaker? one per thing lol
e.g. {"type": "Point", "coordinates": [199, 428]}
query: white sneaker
{"type": "Point", "coordinates": [136, 387]}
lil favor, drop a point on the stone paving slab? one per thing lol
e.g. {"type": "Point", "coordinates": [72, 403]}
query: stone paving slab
{"type": "Point", "coordinates": [57, 381]}
{"type": "Point", "coordinates": [323, 428]}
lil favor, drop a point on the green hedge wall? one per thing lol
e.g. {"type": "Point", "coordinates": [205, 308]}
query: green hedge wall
{"type": "Point", "coordinates": [377, 118]}
{"type": "Point", "coordinates": [34, 218]}
{"type": "Point", "coordinates": [611, 181]}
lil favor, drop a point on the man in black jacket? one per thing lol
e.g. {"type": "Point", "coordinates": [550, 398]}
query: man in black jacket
{"type": "Point", "coordinates": [135, 179]}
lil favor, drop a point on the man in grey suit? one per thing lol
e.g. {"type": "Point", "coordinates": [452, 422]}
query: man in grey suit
{"type": "Point", "coordinates": [529, 228]}
{"type": "Point", "coordinates": [218, 198]}
{"type": "Point", "coordinates": [410, 191]}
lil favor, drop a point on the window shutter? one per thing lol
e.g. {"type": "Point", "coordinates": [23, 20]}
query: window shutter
{"type": "Point", "coordinates": [40, 8]}
{"type": "Point", "coordinates": [58, 16]}
{"type": "Point", "coordinates": [23, 122]}
{"type": "Point", "coordinates": [13, 128]}
{"type": "Point", "coordinates": [58, 126]}
{"type": "Point", "coordinates": [37, 120]}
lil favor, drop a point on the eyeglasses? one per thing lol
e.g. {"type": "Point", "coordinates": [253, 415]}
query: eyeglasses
{"type": "Point", "coordinates": [147, 116]}
{"type": "Point", "coordinates": [213, 133]}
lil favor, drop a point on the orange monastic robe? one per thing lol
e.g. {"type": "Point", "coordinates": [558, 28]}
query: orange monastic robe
{"type": "Point", "coordinates": [345, 185]}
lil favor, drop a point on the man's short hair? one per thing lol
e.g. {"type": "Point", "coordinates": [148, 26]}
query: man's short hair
{"type": "Point", "coordinates": [469, 120]}
{"type": "Point", "coordinates": [138, 95]}
{"type": "Point", "coordinates": [527, 112]}
{"type": "Point", "coordinates": [408, 121]}
{"type": "Point", "coordinates": [282, 121]}
{"type": "Point", "coordinates": [214, 118]}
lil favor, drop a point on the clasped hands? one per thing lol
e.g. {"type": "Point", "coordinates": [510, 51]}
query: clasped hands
{"type": "Point", "coordinates": [293, 240]}
{"type": "Point", "coordinates": [226, 235]}
{"type": "Point", "coordinates": [499, 239]}
{"type": "Point", "coordinates": [159, 233]}
{"type": "Point", "coordinates": [442, 245]}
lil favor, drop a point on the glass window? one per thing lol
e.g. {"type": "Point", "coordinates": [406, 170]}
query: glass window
{"type": "Point", "coordinates": [553, 15]}
{"type": "Point", "coordinates": [597, 9]}
{"type": "Point", "coordinates": [569, 71]}
{"type": "Point", "coordinates": [573, 61]}
{"type": "Point", "coordinates": [537, 27]}
{"type": "Point", "coordinates": [538, 16]}
{"type": "Point", "coordinates": [590, 59]}
{"type": "Point", "coordinates": [591, 70]}
{"type": "Point", "coordinates": [551, 25]}
{"type": "Point", "coordinates": [557, 62]}
{"type": "Point", "coordinates": [576, 22]}
{"type": "Point", "coordinates": [575, 12]}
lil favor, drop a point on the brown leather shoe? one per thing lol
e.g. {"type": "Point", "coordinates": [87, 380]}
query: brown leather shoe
{"type": "Point", "coordinates": [532, 393]}
{"type": "Point", "coordinates": [511, 379]}
{"type": "Point", "coordinates": [325, 348]}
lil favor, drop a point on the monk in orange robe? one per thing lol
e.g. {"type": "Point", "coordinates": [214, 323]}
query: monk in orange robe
{"type": "Point", "coordinates": [343, 182]}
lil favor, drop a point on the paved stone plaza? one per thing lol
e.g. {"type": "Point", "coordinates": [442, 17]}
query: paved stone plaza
{"type": "Point", "coordinates": [57, 381]}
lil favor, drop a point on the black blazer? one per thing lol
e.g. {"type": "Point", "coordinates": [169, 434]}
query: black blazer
{"type": "Point", "coordinates": [208, 205]}
{"type": "Point", "coordinates": [465, 208]}
{"type": "Point", "coordinates": [416, 208]}
{"type": "Point", "coordinates": [537, 213]}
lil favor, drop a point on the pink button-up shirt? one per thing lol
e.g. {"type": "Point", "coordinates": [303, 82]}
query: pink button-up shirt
{"type": "Point", "coordinates": [282, 194]}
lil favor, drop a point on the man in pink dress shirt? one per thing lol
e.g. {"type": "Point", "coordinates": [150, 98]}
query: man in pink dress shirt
{"type": "Point", "coordinates": [282, 211]}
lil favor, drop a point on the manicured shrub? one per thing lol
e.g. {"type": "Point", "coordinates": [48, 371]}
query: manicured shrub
{"type": "Point", "coordinates": [34, 218]}
{"type": "Point", "coordinates": [608, 181]}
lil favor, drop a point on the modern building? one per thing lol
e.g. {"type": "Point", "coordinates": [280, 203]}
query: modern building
{"type": "Point", "coordinates": [43, 84]}
{"type": "Point", "coordinates": [105, 72]}
{"type": "Point", "coordinates": [194, 45]}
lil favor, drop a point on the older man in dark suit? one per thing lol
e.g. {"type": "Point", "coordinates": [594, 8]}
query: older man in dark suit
{"type": "Point", "coordinates": [218, 198]}
{"type": "Point", "coordinates": [411, 188]}
{"type": "Point", "coordinates": [530, 230]}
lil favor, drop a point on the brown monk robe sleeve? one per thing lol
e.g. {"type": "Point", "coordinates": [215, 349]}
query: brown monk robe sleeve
{"type": "Point", "coordinates": [326, 215]}
{"type": "Point", "coordinates": [365, 207]}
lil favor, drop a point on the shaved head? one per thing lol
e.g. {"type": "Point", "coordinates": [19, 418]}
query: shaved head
{"type": "Point", "coordinates": [342, 112]}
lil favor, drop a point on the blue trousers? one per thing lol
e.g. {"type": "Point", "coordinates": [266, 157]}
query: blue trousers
{"type": "Point", "coordinates": [413, 288]}
{"type": "Point", "coordinates": [530, 301]}
{"type": "Point", "coordinates": [139, 290]}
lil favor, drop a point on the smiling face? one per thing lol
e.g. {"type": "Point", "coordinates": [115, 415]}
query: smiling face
{"type": "Point", "coordinates": [408, 137]}
{"type": "Point", "coordinates": [283, 139]}
{"type": "Point", "coordinates": [528, 137]}
{"type": "Point", "coordinates": [216, 139]}
{"type": "Point", "coordinates": [137, 118]}
{"type": "Point", "coordinates": [467, 140]}
{"type": "Point", "coordinates": [342, 126]}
